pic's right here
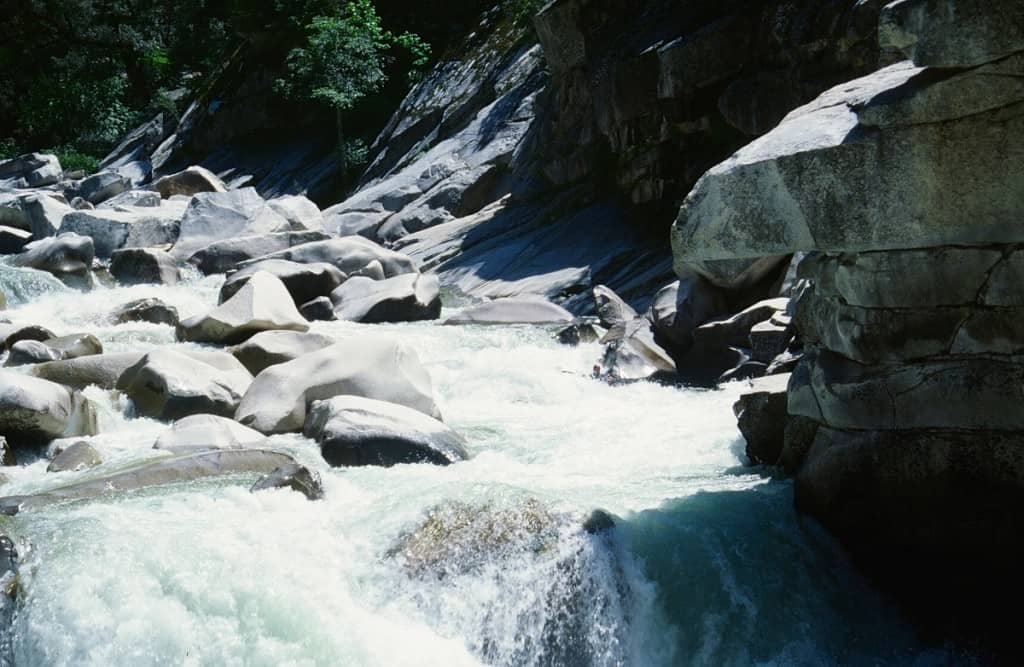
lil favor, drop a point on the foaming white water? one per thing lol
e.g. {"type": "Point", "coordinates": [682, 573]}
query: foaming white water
{"type": "Point", "coordinates": [209, 574]}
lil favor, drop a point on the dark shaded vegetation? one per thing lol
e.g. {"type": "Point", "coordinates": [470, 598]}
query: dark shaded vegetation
{"type": "Point", "coordinates": [75, 75]}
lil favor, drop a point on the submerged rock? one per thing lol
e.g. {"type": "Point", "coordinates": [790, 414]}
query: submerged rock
{"type": "Point", "coordinates": [376, 368]}
{"type": "Point", "coordinates": [159, 472]}
{"type": "Point", "coordinates": [356, 431]}
{"type": "Point", "coordinates": [153, 311]}
{"type": "Point", "coordinates": [292, 476]}
{"type": "Point", "coordinates": [79, 456]}
{"type": "Point", "coordinates": [457, 538]}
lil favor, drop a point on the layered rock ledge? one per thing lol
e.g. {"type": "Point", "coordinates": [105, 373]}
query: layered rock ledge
{"type": "Point", "coordinates": [904, 429]}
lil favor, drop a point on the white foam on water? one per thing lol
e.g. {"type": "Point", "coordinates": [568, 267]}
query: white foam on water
{"type": "Point", "coordinates": [208, 574]}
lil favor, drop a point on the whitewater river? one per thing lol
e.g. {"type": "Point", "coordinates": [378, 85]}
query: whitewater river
{"type": "Point", "coordinates": [707, 564]}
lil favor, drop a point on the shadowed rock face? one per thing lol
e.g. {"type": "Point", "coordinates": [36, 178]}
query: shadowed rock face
{"type": "Point", "coordinates": [904, 425]}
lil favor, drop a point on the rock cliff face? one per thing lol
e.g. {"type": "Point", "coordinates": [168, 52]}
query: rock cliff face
{"type": "Point", "coordinates": [547, 158]}
{"type": "Point", "coordinates": [905, 422]}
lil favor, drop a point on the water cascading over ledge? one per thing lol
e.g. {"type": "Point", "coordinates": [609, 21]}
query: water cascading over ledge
{"type": "Point", "coordinates": [904, 416]}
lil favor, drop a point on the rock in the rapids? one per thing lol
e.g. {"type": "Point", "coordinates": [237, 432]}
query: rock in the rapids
{"type": "Point", "coordinates": [79, 456]}
{"type": "Point", "coordinates": [375, 368]}
{"type": "Point", "coordinates": [67, 256]}
{"type": "Point", "coordinates": [7, 457]}
{"type": "Point", "coordinates": [350, 254]}
{"type": "Point", "coordinates": [25, 352]}
{"type": "Point", "coordinates": [295, 477]}
{"type": "Point", "coordinates": [32, 409]}
{"type": "Point", "coordinates": [611, 309]}
{"type": "Point", "coordinates": [8, 586]}
{"type": "Point", "coordinates": [135, 266]}
{"type": "Point", "coordinates": [270, 348]}
{"type": "Point", "coordinates": [166, 384]}
{"type": "Point", "coordinates": [189, 182]}
{"type": "Point", "coordinates": [405, 298]}
{"type": "Point", "coordinates": [299, 211]}
{"type": "Point", "coordinates": [262, 304]}
{"type": "Point", "coordinates": [202, 432]}
{"type": "Point", "coordinates": [357, 431]}
{"type": "Point", "coordinates": [513, 310]}
{"type": "Point", "coordinates": [154, 311]}
{"type": "Point", "coordinates": [769, 339]}
{"type": "Point", "coordinates": [582, 332]}
{"type": "Point", "coordinates": [681, 307]}
{"type": "Point", "coordinates": [32, 170]}
{"type": "Point", "coordinates": [456, 538]}
{"type": "Point", "coordinates": [102, 186]}
{"type": "Point", "coordinates": [12, 333]}
{"type": "Point", "coordinates": [319, 309]}
{"type": "Point", "coordinates": [216, 216]}
{"type": "Point", "coordinates": [74, 346]}
{"type": "Point", "coordinates": [762, 418]}
{"type": "Point", "coordinates": [101, 370]}
{"type": "Point", "coordinates": [13, 240]}
{"type": "Point", "coordinates": [170, 470]}
{"type": "Point", "coordinates": [126, 227]}
{"type": "Point", "coordinates": [229, 254]}
{"type": "Point", "coordinates": [631, 353]}
{"type": "Point", "coordinates": [734, 330]}
{"type": "Point", "coordinates": [304, 282]}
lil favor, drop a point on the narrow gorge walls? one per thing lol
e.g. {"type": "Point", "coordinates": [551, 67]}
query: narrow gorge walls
{"type": "Point", "coordinates": [908, 186]}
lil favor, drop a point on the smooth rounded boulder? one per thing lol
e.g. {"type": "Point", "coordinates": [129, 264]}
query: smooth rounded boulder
{"type": "Point", "coordinates": [205, 432]}
{"type": "Point", "coordinates": [35, 410]}
{"type": "Point", "coordinates": [513, 310]}
{"type": "Point", "coordinates": [277, 347]}
{"type": "Point", "coordinates": [304, 282]}
{"type": "Point", "coordinates": [167, 384]}
{"type": "Point", "coordinates": [216, 216]}
{"type": "Point", "coordinates": [67, 256]}
{"type": "Point", "coordinates": [79, 456]}
{"type": "Point", "coordinates": [26, 352]}
{"type": "Point", "coordinates": [75, 345]}
{"type": "Point", "coordinates": [138, 266]}
{"type": "Point", "coordinates": [299, 211]}
{"type": "Point", "coordinates": [406, 298]}
{"type": "Point", "coordinates": [357, 431]}
{"type": "Point", "coordinates": [377, 368]}
{"type": "Point", "coordinates": [263, 304]}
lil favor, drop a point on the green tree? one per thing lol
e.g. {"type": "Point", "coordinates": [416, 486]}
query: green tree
{"type": "Point", "coordinates": [345, 58]}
